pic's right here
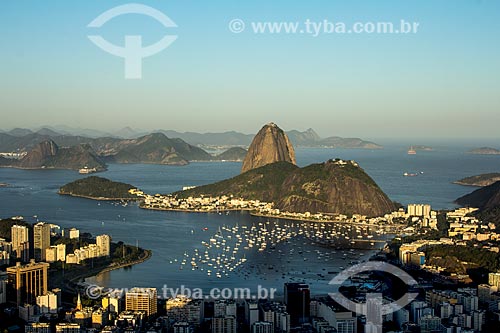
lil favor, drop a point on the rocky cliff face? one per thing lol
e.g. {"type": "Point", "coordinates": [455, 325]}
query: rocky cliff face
{"type": "Point", "coordinates": [37, 157]}
{"type": "Point", "coordinates": [270, 145]}
{"type": "Point", "coordinates": [48, 155]}
{"type": "Point", "coordinates": [335, 187]}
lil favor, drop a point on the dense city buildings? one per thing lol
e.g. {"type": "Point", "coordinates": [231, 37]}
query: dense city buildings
{"type": "Point", "coordinates": [438, 309]}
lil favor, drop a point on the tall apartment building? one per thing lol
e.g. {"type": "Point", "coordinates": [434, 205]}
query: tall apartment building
{"type": "Point", "coordinates": [41, 240]}
{"type": "Point", "coordinates": [28, 281]}
{"type": "Point", "coordinates": [142, 299]}
{"type": "Point", "coordinates": [48, 303]}
{"type": "Point", "coordinates": [297, 299]}
{"type": "Point", "coordinates": [103, 242]}
{"type": "Point", "coordinates": [494, 280]}
{"type": "Point", "coordinates": [20, 241]}
{"type": "Point", "coordinates": [251, 312]}
{"type": "Point", "coordinates": [419, 210]}
{"type": "Point", "coordinates": [224, 325]}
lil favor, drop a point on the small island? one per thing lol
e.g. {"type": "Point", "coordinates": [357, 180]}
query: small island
{"type": "Point", "coordinates": [484, 151]}
{"type": "Point", "coordinates": [98, 188]}
{"type": "Point", "coordinates": [479, 180]}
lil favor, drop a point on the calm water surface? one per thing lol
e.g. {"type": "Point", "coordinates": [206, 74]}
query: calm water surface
{"type": "Point", "coordinates": [174, 236]}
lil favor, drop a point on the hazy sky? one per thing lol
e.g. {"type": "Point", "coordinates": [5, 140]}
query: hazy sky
{"type": "Point", "coordinates": [442, 81]}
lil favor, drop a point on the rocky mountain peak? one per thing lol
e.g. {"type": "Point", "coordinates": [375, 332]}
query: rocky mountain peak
{"type": "Point", "coordinates": [270, 145]}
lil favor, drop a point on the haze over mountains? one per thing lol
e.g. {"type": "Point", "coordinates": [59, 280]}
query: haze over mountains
{"type": "Point", "coordinates": [20, 138]}
{"type": "Point", "coordinates": [95, 153]}
{"type": "Point", "coordinates": [161, 147]}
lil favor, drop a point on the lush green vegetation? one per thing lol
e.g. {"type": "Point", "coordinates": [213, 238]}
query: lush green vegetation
{"type": "Point", "coordinates": [263, 183]}
{"type": "Point", "coordinates": [98, 188]}
{"type": "Point", "coordinates": [477, 256]}
{"type": "Point", "coordinates": [158, 148]}
{"type": "Point", "coordinates": [484, 198]}
{"type": "Point", "coordinates": [491, 215]}
{"type": "Point", "coordinates": [323, 187]}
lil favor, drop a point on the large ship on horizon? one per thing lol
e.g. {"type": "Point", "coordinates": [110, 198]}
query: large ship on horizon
{"type": "Point", "coordinates": [412, 151]}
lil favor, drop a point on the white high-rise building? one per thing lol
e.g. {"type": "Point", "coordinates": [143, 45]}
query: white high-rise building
{"type": "Point", "coordinates": [20, 241]}
{"type": "Point", "coordinates": [104, 244]}
{"type": "Point", "coordinates": [41, 240]}
{"type": "Point", "coordinates": [47, 303]}
{"type": "Point", "coordinates": [494, 280]}
{"type": "Point", "coordinates": [51, 254]}
{"type": "Point", "coordinates": [422, 210]}
{"type": "Point", "coordinates": [61, 252]}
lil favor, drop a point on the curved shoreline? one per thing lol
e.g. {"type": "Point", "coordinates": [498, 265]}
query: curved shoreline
{"type": "Point", "coordinates": [96, 271]}
{"type": "Point", "coordinates": [146, 257]}
{"type": "Point", "coordinates": [257, 214]}
{"type": "Point", "coordinates": [96, 198]}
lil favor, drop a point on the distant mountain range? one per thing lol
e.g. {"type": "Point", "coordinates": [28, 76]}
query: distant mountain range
{"type": "Point", "coordinates": [162, 147]}
{"type": "Point", "coordinates": [20, 138]}
{"type": "Point", "coordinates": [80, 152]}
